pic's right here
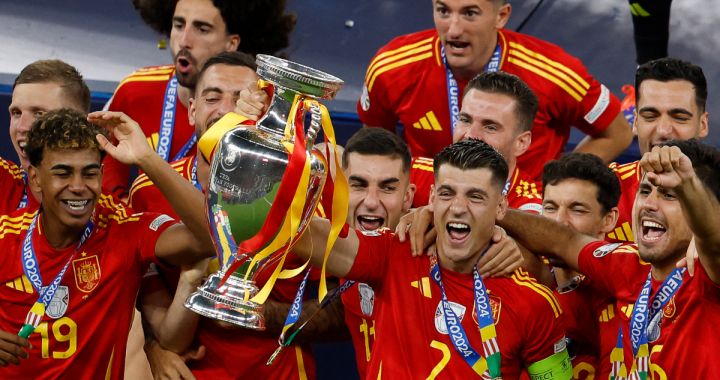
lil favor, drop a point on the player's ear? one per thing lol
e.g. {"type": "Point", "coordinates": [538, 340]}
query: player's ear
{"type": "Point", "coordinates": [408, 197]}
{"type": "Point", "coordinates": [34, 179]}
{"type": "Point", "coordinates": [609, 220]}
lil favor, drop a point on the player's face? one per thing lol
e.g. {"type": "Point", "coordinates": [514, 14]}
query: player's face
{"type": "Point", "coordinates": [380, 192]}
{"type": "Point", "coordinates": [667, 111]}
{"type": "Point", "coordinates": [573, 202]}
{"type": "Point", "coordinates": [198, 33]}
{"type": "Point", "coordinates": [466, 205]}
{"type": "Point", "coordinates": [661, 231]}
{"type": "Point", "coordinates": [216, 94]}
{"type": "Point", "coordinates": [491, 118]}
{"type": "Point", "coordinates": [69, 181]}
{"type": "Point", "coordinates": [468, 31]}
{"type": "Point", "coordinates": [30, 101]}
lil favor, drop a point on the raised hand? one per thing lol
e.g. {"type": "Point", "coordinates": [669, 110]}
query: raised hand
{"type": "Point", "coordinates": [667, 166]}
{"type": "Point", "coordinates": [252, 102]}
{"type": "Point", "coordinates": [132, 146]}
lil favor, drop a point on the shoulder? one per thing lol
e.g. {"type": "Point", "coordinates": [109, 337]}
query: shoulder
{"type": "Point", "coordinates": [628, 172]}
{"type": "Point", "coordinates": [10, 168]}
{"type": "Point", "coordinates": [403, 53]}
{"type": "Point", "coordinates": [143, 183]}
{"type": "Point", "coordinates": [421, 166]}
{"type": "Point", "coordinates": [151, 75]}
{"type": "Point", "coordinates": [522, 188]}
{"type": "Point", "coordinates": [534, 295]}
{"type": "Point", "coordinates": [530, 57]}
{"type": "Point", "coordinates": [110, 211]}
{"type": "Point", "coordinates": [15, 223]}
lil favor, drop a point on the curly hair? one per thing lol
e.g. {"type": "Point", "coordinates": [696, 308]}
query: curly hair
{"type": "Point", "coordinates": [63, 129]}
{"type": "Point", "coordinates": [263, 25]}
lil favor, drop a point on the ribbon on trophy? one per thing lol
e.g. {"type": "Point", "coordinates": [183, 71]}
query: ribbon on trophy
{"type": "Point", "coordinates": [295, 179]}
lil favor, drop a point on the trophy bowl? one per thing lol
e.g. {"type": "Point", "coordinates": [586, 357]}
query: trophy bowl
{"type": "Point", "coordinates": [244, 190]}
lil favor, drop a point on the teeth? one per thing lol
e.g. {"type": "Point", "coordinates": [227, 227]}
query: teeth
{"type": "Point", "coordinates": [461, 226]}
{"type": "Point", "coordinates": [370, 218]}
{"type": "Point", "coordinates": [649, 224]}
{"type": "Point", "coordinates": [22, 144]}
{"type": "Point", "coordinates": [77, 205]}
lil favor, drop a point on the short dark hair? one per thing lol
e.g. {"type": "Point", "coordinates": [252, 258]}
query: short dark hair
{"type": "Point", "coordinates": [670, 69]}
{"type": "Point", "coordinates": [705, 160]}
{"type": "Point", "coordinates": [499, 82]}
{"type": "Point", "coordinates": [59, 72]}
{"type": "Point", "coordinates": [263, 26]}
{"type": "Point", "coordinates": [230, 58]}
{"type": "Point", "coordinates": [61, 129]}
{"type": "Point", "coordinates": [473, 154]}
{"type": "Point", "coordinates": [586, 167]}
{"type": "Point", "coordinates": [377, 141]}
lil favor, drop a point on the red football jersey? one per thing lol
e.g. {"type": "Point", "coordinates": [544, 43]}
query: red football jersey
{"type": "Point", "coordinates": [359, 305]}
{"type": "Point", "coordinates": [234, 353]}
{"type": "Point", "coordinates": [629, 176]}
{"type": "Point", "coordinates": [591, 327]}
{"type": "Point", "coordinates": [406, 81]}
{"type": "Point", "coordinates": [685, 348]}
{"type": "Point", "coordinates": [412, 340]}
{"type": "Point", "coordinates": [13, 188]}
{"type": "Point", "coordinates": [523, 192]}
{"type": "Point", "coordinates": [141, 95]}
{"type": "Point", "coordinates": [85, 328]}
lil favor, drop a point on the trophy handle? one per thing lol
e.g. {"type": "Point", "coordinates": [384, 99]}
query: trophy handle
{"type": "Point", "coordinates": [315, 125]}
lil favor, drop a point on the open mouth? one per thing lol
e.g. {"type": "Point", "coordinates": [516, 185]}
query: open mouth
{"type": "Point", "coordinates": [652, 231]}
{"type": "Point", "coordinates": [21, 145]}
{"type": "Point", "coordinates": [77, 206]}
{"type": "Point", "coordinates": [458, 232]}
{"type": "Point", "coordinates": [370, 223]}
{"type": "Point", "coordinates": [184, 64]}
{"type": "Point", "coordinates": [457, 46]}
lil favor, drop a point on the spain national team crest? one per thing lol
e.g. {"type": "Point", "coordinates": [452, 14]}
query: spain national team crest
{"type": "Point", "coordinates": [495, 306]}
{"type": "Point", "coordinates": [87, 273]}
{"type": "Point", "coordinates": [59, 303]}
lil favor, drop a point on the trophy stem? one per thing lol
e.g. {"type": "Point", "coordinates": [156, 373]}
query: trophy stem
{"type": "Point", "coordinates": [278, 113]}
{"type": "Point", "coordinates": [227, 302]}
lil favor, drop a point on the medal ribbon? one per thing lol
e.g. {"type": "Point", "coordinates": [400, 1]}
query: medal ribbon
{"type": "Point", "coordinates": [24, 199]}
{"type": "Point", "coordinates": [31, 267]}
{"type": "Point", "coordinates": [453, 89]}
{"type": "Point", "coordinates": [643, 312]}
{"type": "Point", "coordinates": [193, 175]}
{"type": "Point", "coordinates": [459, 338]}
{"type": "Point", "coordinates": [167, 124]}
{"type": "Point", "coordinates": [167, 119]}
{"type": "Point", "coordinates": [296, 310]}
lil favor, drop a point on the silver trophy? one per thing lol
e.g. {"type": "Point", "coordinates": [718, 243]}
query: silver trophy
{"type": "Point", "coordinates": [245, 175]}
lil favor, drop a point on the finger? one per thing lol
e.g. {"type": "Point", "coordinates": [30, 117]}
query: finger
{"type": "Point", "coordinates": [184, 372]}
{"type": "Point", "coordinates": [428, 240]}
{"type": "Point", "coordinates": [105, 144]}
{"type": "Point", "coordinates": [507, 267]}
{"type": "Point", "coordinates": [499, 234]}
{"type": "Point", "coordinates": [691, 267]}
{"type": "Point", "coordinates": [488, 262]}
{"type": "Point", "coordinates": [422, 219]}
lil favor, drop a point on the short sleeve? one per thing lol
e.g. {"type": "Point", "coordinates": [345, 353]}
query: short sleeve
{"type": "Point", "coordinates": [148, 231]}
{"type": "Point", "coordinates": [601, 261]}
{"type": "Point", "coordinates": [372, 257]}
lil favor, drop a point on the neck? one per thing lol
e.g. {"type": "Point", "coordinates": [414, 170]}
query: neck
{"type": "Point", "coordinates": [661, 272]}
{"type": "Point", "coordinates": [184, 94]}
{"type": "Point", "coordinates": [58, 235]}
{"type": "Point", "coordinates": [464, 266]}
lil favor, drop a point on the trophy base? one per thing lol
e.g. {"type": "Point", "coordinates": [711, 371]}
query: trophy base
{"type": "Point", "coordinates": [227, 303]}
